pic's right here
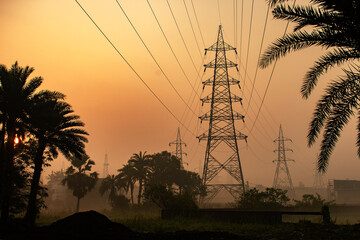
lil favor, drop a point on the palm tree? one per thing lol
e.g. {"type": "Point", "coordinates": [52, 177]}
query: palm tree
{"type": "Point", "coordinates": [113, 185]}
{"type": "Point", "coordinates": [335, 26]}
{"type": "Point", "coordinates": [78, 180]}
{"type": "Point", "coordinates": [56, 128]}
{"type": "Point", "coordinates": [16, 91]}
{"type": "Point", "coordinates": [140, 163]}
{"type": "Point", "coordinates": [128, 173]}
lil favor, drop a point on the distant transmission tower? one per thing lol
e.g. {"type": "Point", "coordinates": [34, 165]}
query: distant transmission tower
{"type": "Point", "coordinates": [178, 147]}
{"type": "Point", "coordinates": [282, 177]}
{"type": "Point", "coordinates": [106, 166]}
{"type": "Point", "coordinates": [222, 152]}
{"type": "Point", "coordinates": [318, 181]}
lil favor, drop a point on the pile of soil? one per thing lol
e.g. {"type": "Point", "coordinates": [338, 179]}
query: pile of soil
{"type": "Point", "coordinates": [83, 225]}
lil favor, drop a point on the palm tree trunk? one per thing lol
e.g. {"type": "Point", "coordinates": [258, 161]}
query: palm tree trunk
{"type": "Point", "coordinates": [132, 193]}
{"type": "Point", "coordinates": [78, 205]}
{"type": "Point", "coordinates": [32, 210]}
{"type": "Point", "coordinates": [8, 168]}
{"type": "Point", "coordinates": [140, 191]}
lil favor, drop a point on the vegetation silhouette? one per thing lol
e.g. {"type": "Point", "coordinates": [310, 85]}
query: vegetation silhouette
{"type": "Point", "coordinates": [77, 179]}
{"type": "Point", "coordinates": [334, 25]}
{"type": "Point", "coordinates": [140, 163]}
{"type": "Point", "coordinates": [270, 199]}
{"type": "Point", "coordinates": [114, 186]}
{"type": "Point", "coordinates": [52, 122]}
{"type": "Point", "coordinates": [16, 92]}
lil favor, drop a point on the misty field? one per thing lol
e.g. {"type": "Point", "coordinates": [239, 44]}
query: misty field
{"type": "Point", "coordinates": [149, 223]}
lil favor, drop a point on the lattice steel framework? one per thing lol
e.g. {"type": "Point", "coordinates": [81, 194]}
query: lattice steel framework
{"type": "Point", "coordinates": [221, 117]}
{"type": "Point", "coordinates": [178, 148]}
{"type": "Point", "coordinates": [106, 166]}
{"type": "Point", "coordinates": [282, 177]}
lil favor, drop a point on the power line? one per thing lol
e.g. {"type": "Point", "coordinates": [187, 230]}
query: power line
{"type": "Point", "coordinates": [248, 47]}
{"type": "Point", "coordinates": [152, 56]}
{"type": "Point", "coordinates": [197, 21]}
{"type": "Point", "coordinates": [147, 86]}
{"type": "Point", "coordinates": [172, 50]}
{"type": "Point", "coordinates": [219, 11]}
{"type": "Point", "coordinates": [182, 38]}
{"type": "Point", "coordinates": [192, 28]}
{"type": "Point", "coordinates": [257, 65]}
{"type": "Point", "coordinates": [270, 78]}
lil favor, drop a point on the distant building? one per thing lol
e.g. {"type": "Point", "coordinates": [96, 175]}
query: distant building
{"type": "Point", "coordinates": [347, 191]}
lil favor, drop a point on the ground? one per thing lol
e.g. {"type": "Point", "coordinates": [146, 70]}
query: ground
{"type": "Point", "coordinates": [93, 225]}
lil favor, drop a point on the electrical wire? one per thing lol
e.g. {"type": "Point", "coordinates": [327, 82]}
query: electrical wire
{"type": "Point", "coordinates": [134, 71]}
{"type": "Point", "coordinates": [257, 65]}
{"type": "Point", "coordinates": [152, 56]}
{"type": "Point", "coordinates": [182, 38]}
{"type": "Point", "coordinates": [197, 21]}
{"type": "Point", "coordinates": [248, 47]}
{"type": "Point", "coordinates": [171, 48]}
{"type": "Point", "coordinates": [192, 28]}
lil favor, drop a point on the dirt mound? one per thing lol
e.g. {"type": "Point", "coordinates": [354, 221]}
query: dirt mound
{"type": "Point", "coordinates": [90, 221]}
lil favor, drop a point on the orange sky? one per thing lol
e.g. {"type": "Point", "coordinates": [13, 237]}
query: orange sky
{"type": "Point", "coordinates": [121, 115]}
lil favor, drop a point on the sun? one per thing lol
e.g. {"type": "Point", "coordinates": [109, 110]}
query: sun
{"type": "Point", "coordinates": [16, 140]}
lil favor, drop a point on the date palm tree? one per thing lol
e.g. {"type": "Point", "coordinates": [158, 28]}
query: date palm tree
{"type": "Point", "coordinates": [335, 26]}
{"type": "Point", "coordinates": [16, 91]}
{"type": "Point", "coordinates": [114, 185]}
{"type": "Point", "coordinates": [128, 173]}
{"type": "Point", "coordinates": [140, 163]}
{"type": "Point", "coordinates": [78, 179]}
{"type": "Point", "coordinates": [56, 128]}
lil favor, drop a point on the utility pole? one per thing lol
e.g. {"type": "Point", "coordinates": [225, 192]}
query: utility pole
{"type": "Point", "coordinates": [106, 166]}
{"type": "Point", "coordinates": [282, 177]}
{"type": "Point", "coordinates": [178, 148]}
{"type": "Point", "coordinates": [222, 152]}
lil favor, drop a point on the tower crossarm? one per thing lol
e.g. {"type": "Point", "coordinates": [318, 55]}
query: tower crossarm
{"type": "Point", "coordinates": [285, 149]}
{"type": "Point", "coordinates": [221, 99]}
{"type": "Point", "coordinates": [236, 116]}
{"type": "Point", "coordinates": [223, 47]}
{"type": "Point", "coordinates": [283, 139]}
{"type": "Point", "coordinates": [232, 81]}
{"type": "Point", "coordinates": [225, 64]}
{"type": "Point", "coordinates": [238, 136]}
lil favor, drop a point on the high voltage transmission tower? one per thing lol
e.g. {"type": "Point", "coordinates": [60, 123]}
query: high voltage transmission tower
{"type": "Point", "coordinates": [106, 166]}
{"type": "Point", "coordinates": [178, 148]}
{"type": "Point", "coordinates": [282, 177]}
{"type": "Point", "coordinates": [222, 152]}
{"type": "Point", "coordinates": [318, 181]}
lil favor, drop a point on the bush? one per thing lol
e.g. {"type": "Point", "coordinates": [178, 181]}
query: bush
{"type": "Point", "coordinates": [270, 199]}
{"type": "Point", "coordinates": [167, 199]}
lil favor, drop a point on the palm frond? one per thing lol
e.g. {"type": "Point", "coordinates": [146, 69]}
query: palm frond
{"type": "Point", "coordinates": [344, 88]}
{"type": "Point", "coordinates": [294, 42]}
{"type": "Point", "coordinates": [338, 118]}
{"type": "Point", "coordinates": [335, 57]}
{"type": "Point", "coordinates": [306, 16]}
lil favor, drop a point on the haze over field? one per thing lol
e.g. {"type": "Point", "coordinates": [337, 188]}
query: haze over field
{"type": "Point", "coordinates": [123, 117]}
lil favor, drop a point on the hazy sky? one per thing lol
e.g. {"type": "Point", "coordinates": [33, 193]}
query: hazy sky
{"type": "Point", "coordinates": [123, 117]}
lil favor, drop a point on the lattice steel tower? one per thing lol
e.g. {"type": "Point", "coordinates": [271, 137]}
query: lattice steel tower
{"type": "Point", "coordinates": [106, 166]}
{"type": "Point", "coordinates": [282, 177]}
{"type": "Point", "coordinates": [221, 134]}
{"type": "Point", "coordinates": [178, 147]}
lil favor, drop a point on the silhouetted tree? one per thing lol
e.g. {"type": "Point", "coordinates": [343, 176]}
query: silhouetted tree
{"type": "Point", "coordinates": [140, 163]}
{"type": "Point", "coordinates": [113, 185]}
{"type": "Point", "coordinates": [128, 173]}
{"type": "Point", "coordinates": [78, 180]}
{"type": "Point", "coordinates": [16, 92]}
{"type": "Point", "coordinates": [56, 128]}
{"type": "Point", "coordinates": [334, 25]}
